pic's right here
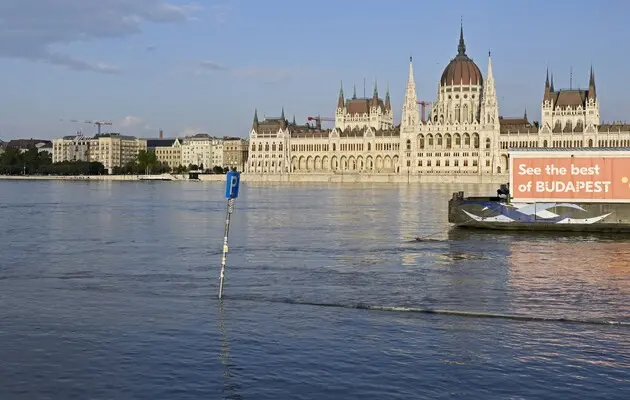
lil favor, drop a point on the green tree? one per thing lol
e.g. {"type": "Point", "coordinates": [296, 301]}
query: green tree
{"type": "Point", "coordinates": [147, 161]}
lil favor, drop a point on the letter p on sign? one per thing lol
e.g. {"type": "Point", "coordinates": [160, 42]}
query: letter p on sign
{"type": "Point", "coordinates": [232, 183]}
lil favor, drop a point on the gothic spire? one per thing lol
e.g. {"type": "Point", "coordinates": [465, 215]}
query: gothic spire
{"type": "Point", "coordinates": [388, 104]}
{"type": "Point", "coordinates": [354, 91]}
{"type": "Point", "coordinates": [490, 107]}
{"type": "Point", "coordinates": [340, 101]}
{"type": "Point", "coordinates": [547, 79]}
{"type": "Point", "coordinates": [255, 123]}
{"type": "Point", "coordinates": [591, 84]}
{"type": "Point", "coordinates": [283, 120]}
{"type": "Point", "coordinates": [548, 87]}
{"type": "Point", "coordinates": [461, 49]}
{"type": "Point", "coordinates": [374, 102]}
{"type": "Point", "coordinates": [551, 88]}
{"type": "Point", "coordinates": [410, 110]}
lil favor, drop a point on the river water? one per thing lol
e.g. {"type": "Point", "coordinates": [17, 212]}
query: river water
{"type": "Point", "coordinates": [109, 290]}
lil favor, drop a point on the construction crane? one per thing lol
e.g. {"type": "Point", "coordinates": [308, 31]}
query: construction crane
{"type": "Point", "coordinates": [96, 123]}
{"type": "Point", "coordinates": [423, 104]}
{"type": "Point", "coordinates": [318, 121]}
{"type": "Point", "coordinates": [99, 124]}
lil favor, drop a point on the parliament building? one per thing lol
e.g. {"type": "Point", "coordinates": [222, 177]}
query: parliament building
{"type": "Point", "coordinates": [462, 133]}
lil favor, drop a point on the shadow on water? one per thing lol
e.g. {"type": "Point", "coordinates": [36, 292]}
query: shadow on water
{"type": "Point", "coordinates": [457, 233]}
{"type": "Point", "coordinates": [462, 234]}
{"type": "Point", "coordinates": [231, 384]}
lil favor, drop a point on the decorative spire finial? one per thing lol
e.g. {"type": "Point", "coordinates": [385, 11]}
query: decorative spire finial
{"type": "Point", "coordinates": [461, 49]}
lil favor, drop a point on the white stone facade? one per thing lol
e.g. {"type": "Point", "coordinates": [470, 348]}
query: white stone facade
{"type": "Point", "coordinates": [110, 149]}
{"type": "Point", "coordinates": [463, 134]}
{"type": "Point", "coordinates": [217, 152]}
{"type": "Point", "coordinates": [202, 150]}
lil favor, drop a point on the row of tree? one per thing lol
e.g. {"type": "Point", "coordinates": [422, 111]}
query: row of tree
{"type": "Point", "coordinates": [32, 162]}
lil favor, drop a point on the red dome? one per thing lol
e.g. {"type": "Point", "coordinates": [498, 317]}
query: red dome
{"type": "Point", "coordinates": [461, 69]}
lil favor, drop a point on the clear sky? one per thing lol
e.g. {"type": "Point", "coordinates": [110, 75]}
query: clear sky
{"type": "Point", "coordinates": [205, 66]}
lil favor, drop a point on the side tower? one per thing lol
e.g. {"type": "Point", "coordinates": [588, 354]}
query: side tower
{"type": "Point", "coordinates": [570, 110]}
{"type": "Point", "coordinates": [409, 123]}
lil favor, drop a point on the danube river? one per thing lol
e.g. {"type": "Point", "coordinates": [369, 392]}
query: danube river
{"type": "Point", "coordinates": [108, 290]}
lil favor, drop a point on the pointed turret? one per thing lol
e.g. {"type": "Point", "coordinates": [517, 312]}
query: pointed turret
{"type": "Point", "coordinates": [255, 123]}
{"type": "Point", "coordinates": [354, 91]}
{"type": "Point", "coordinates": [293, 122]}
{"type": "Point", "coordinates": [525, 115]}
{"type": "Point", "coordinates": [551, 87]}
{"type": "Point", "coordinates": [340, 101]}
{"type": "Point", "coordinates": [547, 95]}
{"type": "Point", "coordinates": [592, 93]}
{"type": "Point", "coordinates": [490, 107]}
{"type": "Point", "coordinates": [388, 104]}
{"type": "Point", "coordinates": [374, 102]}
{"type": "Point", "coordinates": [410, 107]}
{"type": "Point", "coordinates": [283, 120]}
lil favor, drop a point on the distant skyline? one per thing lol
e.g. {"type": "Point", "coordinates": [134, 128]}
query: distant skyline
{"type": "Point", "coordinates": [204, 66]}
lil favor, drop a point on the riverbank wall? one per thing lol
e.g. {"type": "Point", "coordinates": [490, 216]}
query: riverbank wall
{"type": "Point", "coordinates": [293, 178]}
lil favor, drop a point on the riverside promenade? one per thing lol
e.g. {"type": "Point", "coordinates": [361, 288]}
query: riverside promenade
{"type": "Point", "coordinates": [293, 177]}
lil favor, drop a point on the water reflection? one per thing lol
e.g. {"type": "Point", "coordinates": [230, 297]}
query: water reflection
{"type": "Point", "coordinates": [581, 271]}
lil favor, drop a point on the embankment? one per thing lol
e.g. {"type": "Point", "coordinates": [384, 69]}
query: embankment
{"type": "Point", "coordinates": [294, 177]}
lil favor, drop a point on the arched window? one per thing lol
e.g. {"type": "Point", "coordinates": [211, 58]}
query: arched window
{"type": "Point", "coordinates": [408, 145]}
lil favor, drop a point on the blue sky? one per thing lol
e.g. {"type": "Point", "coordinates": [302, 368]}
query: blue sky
{"type": "Point", "coordinates": [204, 66]}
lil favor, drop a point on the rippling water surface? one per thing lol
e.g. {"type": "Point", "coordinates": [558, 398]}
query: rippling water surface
{"type": "Point", "coordinates": [109, 290]}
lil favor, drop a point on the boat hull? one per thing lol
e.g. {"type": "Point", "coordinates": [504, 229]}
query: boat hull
{"type": "Point", "coordinates": [493, 213]}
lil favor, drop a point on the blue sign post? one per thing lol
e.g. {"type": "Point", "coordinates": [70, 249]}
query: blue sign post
{"type": "Point", "coordinates": [232, 185]}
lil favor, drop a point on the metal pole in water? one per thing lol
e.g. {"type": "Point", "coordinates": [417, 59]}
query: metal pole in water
{"type": "Point", "coordinates": [232, 184]}
{"type": "Point", "coordinates": [230, 209]}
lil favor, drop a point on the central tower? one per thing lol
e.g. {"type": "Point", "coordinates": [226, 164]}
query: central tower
{"type": "Point", "coordinates": [459, 89]}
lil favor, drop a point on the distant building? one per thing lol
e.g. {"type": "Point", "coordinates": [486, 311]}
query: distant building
{"type": "Point", "coordinates": [25, 145]}
{"type": "Point", "coordinates": [3, 145]}
{"type": "Point", "coordinates": [202, 150]}
{"type": "Point", "coordinates": [235, 151]}
{"type": "Point", "coordinates": [71, 148]}
{"type": "Point", "coordinates": [167, 151]}
{"type": "Point", "coordinates": [197, 150]}
{"type": "Point", "coordinates": [110, 149]}
{"type": "Point", "coordinates": [217, 152]}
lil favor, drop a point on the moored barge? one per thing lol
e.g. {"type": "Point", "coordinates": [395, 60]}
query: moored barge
{"type": "Point", "coordinates": [579, 190]}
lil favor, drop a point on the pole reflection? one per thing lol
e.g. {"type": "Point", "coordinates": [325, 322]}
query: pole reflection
{"type": "Point", "coordinates": [231, 383]}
